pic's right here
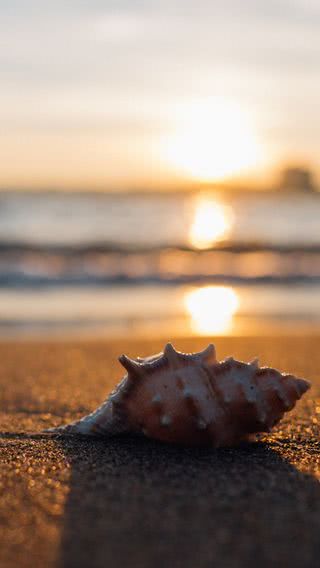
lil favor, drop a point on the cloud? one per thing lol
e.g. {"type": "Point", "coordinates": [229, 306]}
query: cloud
{"type": "Point", "coordinates": [144, 46]}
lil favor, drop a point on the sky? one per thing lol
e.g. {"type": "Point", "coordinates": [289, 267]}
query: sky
{"type": "Point", "coordinates": [133, 94]}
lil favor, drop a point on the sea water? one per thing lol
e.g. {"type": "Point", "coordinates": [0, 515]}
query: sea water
{"type": "Point", "coordinates": [206, 263]}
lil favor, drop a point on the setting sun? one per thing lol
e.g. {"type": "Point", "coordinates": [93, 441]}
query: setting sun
{"type": "Point", "coordinates": [211, 222]}
{"type": "Point", "coordinates": [211, 309]}
{"type": "Point", "coordinates": [214, 139]}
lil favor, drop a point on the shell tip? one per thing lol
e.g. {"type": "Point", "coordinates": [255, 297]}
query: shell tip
{"type": "Point", "coordinates": [171, 354]}
{"type": "Point", "coordinates": [208, 355]}
{"type": "Point", "coordinates": [131, 366]}
{"type": "Point", "coordinates": [303, 386]}
{"type": "Point", "coordinates": [255, 363]}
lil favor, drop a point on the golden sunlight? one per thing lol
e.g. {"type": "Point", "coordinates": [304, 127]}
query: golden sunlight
{"type": "Point", "coordinates": [214, 139]}
{"type": "Point", "coordinates": [212, 221]}
{"type": "Point", "coordinates": [211, 309]}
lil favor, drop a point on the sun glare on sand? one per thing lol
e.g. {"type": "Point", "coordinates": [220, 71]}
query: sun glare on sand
{"type": "Point", "coordinates": [213, 140]}
{"type": "Point", "coordinates": [211, 309]}
{"type": "Point", "coordinates": [211, 222]}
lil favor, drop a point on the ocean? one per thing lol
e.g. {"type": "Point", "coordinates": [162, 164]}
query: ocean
{"type": "Point", "coordinates": [95, 264]}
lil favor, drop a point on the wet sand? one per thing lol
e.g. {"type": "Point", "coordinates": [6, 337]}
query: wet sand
{"type": "Point", "coordinates": [135, 503]}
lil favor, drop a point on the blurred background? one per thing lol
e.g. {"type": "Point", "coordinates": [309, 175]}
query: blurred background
{"type": "Point", "coordinates": [159, 168]}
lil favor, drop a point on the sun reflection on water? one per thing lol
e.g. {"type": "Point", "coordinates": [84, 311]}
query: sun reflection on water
{"type": "Point", "coordinates": [211, 309]}
{"type": "Point", "coordinates": [212, 222]}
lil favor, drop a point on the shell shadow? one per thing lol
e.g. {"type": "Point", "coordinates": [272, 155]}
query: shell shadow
{"type": "Point", "coordinates": [138, 503]}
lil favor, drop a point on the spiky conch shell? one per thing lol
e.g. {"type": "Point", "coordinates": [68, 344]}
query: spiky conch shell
{"type": "Point", "coordinates": [192, 399]}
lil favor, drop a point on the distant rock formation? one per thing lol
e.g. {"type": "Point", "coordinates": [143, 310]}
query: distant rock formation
{"type": "Point", "coordinates": [296, 179]}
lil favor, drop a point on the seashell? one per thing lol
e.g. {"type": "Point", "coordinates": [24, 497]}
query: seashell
{"type": "Point", "coordinates": [192, 399]}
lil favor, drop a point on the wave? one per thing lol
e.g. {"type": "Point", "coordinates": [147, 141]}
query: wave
{"type": "Point", "coordinates": [25, 264]}
{"type": "Point", "coordinates": [38, 282]}
{"type": "Point", "coordinates": [104, 247]}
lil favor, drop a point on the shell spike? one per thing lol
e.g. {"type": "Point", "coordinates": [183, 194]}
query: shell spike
{"type": "Point", "coordinates": [135, 369]}
{"type": "Point", "coordinates": [255, 363]}
{"type": "Point", "coordinates": [208, 355]}
{"type": "Point", "coordinates": [171, 355]}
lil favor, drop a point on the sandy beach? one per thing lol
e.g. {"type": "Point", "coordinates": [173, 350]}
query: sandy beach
{"type": "Point", "coordinates": [127, 502]}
